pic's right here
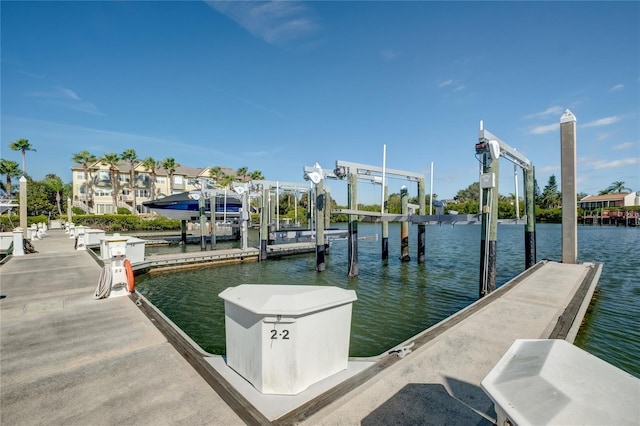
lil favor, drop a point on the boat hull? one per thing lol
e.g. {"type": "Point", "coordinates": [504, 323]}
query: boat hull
{"type": "Point", "coordinates": [182, 207]}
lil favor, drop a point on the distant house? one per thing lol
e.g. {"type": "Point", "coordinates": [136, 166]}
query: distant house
{"type": "Point", "coordinates": [609, 209]}
{"type": "Point", "coordinates": [608, 201]}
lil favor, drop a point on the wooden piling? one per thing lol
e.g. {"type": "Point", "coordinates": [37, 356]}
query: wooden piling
{"type": "Point", "coordinates": [353, 225]}
{"type": "Point", "coordinates": [530, 211]}
{"type": "Point", "coordinates": [183, 231]}
{"type": "Point", "coordinates": [264, 221]}
{"type": "Point", "coordinates": [422, 227]}
{"type": "Point", "coordinates": [404, 233]}
{"type": "Point", "coordinates": [327, 216]}
{"type": "Point", "coordinates": [488, 242]}
{"type": "Point", "coordinates": [203, 222]}
{"type": "Point", "coordinates": [319, 216]}
{"type": "Point", "coordinates": [385, 224]}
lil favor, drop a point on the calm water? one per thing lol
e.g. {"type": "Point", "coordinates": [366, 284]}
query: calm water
{"type": "Point", "coordinates": [398, 300]}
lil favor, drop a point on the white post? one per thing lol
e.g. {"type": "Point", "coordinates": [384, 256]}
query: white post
{"type": "Point", "coordinates": [568, 185]}
{"type": "Point", "coordinates": [18, 245]}
{"type": "Point", "coordinates": [277, 206]}
{"type": "Point", "coordinates": [384, 165]}
{"type": "Point", "coordinates": [431, 189]}
{"type": "Point", "coordinates": [515, 178]}
{"type": "Point", "coordinates": [23, 206]}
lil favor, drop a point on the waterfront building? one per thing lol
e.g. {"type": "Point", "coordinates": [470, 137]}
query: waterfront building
{"type": "Point", "coordinates": [610, 209]}
{"type": "Point", "coordinates": [95, 194]}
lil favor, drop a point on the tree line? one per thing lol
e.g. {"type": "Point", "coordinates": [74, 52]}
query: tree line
{"type": "Point", "coordinates": [44, 196]}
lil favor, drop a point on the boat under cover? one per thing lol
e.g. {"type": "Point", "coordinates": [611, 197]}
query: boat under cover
{"type": "Point", "coordinates": [183, 207]}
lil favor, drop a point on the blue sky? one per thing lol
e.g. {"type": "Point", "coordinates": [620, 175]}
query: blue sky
{"type": "Point", "coordinates": [276, 86]}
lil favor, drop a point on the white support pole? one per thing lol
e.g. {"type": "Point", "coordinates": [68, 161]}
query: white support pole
{"type": "Point", "coordinates": [384, 170]}
{"type": "Point", "coordinates": [515, 178]}
{"type": "Point", "coordinates": [431, 191]}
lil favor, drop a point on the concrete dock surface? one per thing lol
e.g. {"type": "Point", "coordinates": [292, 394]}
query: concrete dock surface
{"type": "Point", "coordinates": [66, 358]}
{"type": "Point", "coordinates": [438, 383]}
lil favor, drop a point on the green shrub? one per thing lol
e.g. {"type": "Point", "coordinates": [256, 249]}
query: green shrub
{"type": "Point", "coordinates": [124, 210]}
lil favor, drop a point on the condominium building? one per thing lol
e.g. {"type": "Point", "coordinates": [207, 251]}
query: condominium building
{"type": "Point", "coordinates": [94, 195]}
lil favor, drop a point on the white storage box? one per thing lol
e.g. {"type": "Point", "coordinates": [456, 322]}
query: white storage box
{"type": "Point", "coordinates": [552, 382]}
{"type": "Point", "coordinates": [92, 237]}
{"type": "Point", "coordinates": [133, 247]}
{"type": "Point", "coordinates": [284, 338]}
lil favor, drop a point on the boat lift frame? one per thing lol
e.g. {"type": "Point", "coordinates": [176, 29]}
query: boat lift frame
{"type": "Point", "coordinates": [491, 148]}
{"type": "Point", "coordinates": [269, 210]}
{"type": "Point", "coordinates": [376, 175]}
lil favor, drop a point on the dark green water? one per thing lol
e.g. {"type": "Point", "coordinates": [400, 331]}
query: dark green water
{"type": "Point", "coordinates": [398, 300]}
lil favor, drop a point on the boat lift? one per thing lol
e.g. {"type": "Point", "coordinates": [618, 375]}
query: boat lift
{"type": "Point", "coordinates": [491, 148]}
{"type": "Point", "coordinates": [355, 172]}
{"type": "Point", "coordinates": [271, 210]}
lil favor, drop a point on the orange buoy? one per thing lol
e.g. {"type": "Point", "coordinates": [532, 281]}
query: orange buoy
{"type": "Point", "coordinates": [130, 278]}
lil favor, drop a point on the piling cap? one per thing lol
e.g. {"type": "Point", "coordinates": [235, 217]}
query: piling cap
{"type": "Point", "coordinates": [567, 117]}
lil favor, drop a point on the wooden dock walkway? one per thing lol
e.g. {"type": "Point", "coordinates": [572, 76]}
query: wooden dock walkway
{"type": "Point", "coordinates": [205, 258]}
{"type": "Point", "coordinates": [70, 360]}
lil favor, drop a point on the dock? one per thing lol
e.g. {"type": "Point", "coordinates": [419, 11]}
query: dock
{"type": "Point", "coordinates": [207, 258]}
{"type": "Point", "coordinates": [69, 359]}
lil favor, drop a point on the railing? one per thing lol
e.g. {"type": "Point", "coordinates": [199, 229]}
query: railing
{"type": "Point", "coordinates": [85, 208]}
{"type": "Point", "coordinates": [125, 205]}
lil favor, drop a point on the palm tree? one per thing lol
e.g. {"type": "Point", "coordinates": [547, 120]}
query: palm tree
{"type": "Point", "coordinates": [256, 175]}
{"type": "Point", "coordinates": [226, 181]}
{"type": "Point", "coordinates": [170, 165]}
{"type": "Point", "coordinates": [111, 159]}
{"type": "Point", "coordinates": [130, 156]}
{"type": "Point", "coordinates": [241, 174]}
{"type": "Point", "coordinates": [216, 173]}
{"type": "Point", "coordinates": [86, 160]}
{"type": "Point", "coordinates": [10, 169]}
{"type": "Point", "coordinates": [54, 183]}
{"type": "Point", "coordinates": [617, 187]}
{"type": "Point", "coordinates": [151, 165]}
{"type": "Point", "coordinates": [22, 145]}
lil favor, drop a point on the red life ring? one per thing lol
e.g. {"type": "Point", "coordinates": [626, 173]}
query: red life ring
{"type": "Point", "coordinates": [130, 278]}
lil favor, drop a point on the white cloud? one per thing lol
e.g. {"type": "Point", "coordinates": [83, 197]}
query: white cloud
{"type": "Point", "coordinates": [545, 128]}
{"type": "Point", "coordinates": [553, 110]}
{"type": "Point", "coordinates": [622, 146]}
{"type": "Point", "coordinates": [454, 85]}
{"type": "Point", "coordinates": [276, 22]}
{"type": "Point", "coordinates": [65, 98]}
{"type": "Point", "coordinates": [602, 121]}
{"type": "Point", "coordinates": [617, 87]}
{"type": "Point", "coordinates": [599, 165]}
